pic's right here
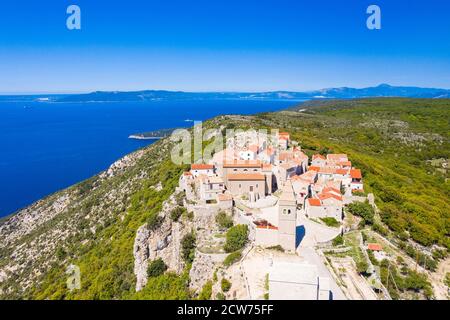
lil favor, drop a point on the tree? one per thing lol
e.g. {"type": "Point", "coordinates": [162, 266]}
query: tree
{"type": "Point", "coordinates": [188, 247]}
{"type": "Point", "coordinates": [156, 268]}
{"type": "Point", "coordinates": [206, 292]}
{"type": "Point", "coordinates": [223, 220]}
{"type": "Point", "coordinates": [176, 213]}
{"type": "Point", "coordinates": [362, 209]}
{"type": "Point", "coordinates": [236, 238]}
{"type": "Point", "coordinates": [225, 285]}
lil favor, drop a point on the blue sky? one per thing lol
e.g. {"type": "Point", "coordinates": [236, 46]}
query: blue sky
{"type": "Point", "coordinates": [218, 45]}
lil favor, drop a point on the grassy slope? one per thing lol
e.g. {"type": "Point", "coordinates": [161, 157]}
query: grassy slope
{"type": "Point", "coordinates": [412, 195]}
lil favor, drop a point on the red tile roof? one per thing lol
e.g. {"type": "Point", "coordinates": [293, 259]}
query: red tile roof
{"type": "Point", "coordinates": [314, 202]}
{"type": "Point", "coordinates": [341, 171]}
{"type": "Point", "coordinates": [318, 156]}
{"type": "Point", "coordinates": [355, 173]}
{"type": "Point", "coordinates": [374, 247]}
{"type": "Point", "coordinates": [201, 166]}
{"type": "Point", "coordinates": [324, 196]}
{"type": "Point", "coordinates": [314, 168]}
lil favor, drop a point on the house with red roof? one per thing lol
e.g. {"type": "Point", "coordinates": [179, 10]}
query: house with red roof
{"type": "Point", "coordinates": [318, 160]}
{"type": "Point", "coordinates": [356, 180]}
{"type": "Point", "coordinates": [328, 203]}
{"type": "Point", "coordinates": [202, 168]}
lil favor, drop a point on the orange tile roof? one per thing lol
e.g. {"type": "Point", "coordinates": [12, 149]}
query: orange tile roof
{"type": "Point", "coordinates": [314, 168]}
{"type": "Point", "coordinates": [355, 173]}
{"type": "Point", "coordinates": [314, 202]}
{"type": "Point", "coordinates": [331, 189]}
{"type": "Point", "coordinates": [323, 196]}
{"type": "Point", "coordinates": [246, 177]}
{"type": "Point", "coordinates": [374, 247]}
{"type": "Point", "coordinates": [341, 171]}
{"type": "Point", "coordinates": [201, 166]}
{"type": "Point", "coordinates": [318, 156]}
{"type": "Point", "coordinates": [242, 164]}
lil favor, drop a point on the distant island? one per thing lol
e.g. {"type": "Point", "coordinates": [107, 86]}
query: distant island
{"type": "Point", "coordinates": [382, 90]}
{"type": "Point", "coordinates": [153, 135]}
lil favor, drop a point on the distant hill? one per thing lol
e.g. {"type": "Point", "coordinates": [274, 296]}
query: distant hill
{"type": "Point", "coordinates": [383, 90]}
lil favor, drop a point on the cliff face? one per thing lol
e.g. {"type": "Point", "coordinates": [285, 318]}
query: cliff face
{"type": "Point", "coordinates": [39, 242]}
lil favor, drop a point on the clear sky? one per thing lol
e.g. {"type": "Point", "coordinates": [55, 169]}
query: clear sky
{"type": "Point", "coordinates": [222, 45]}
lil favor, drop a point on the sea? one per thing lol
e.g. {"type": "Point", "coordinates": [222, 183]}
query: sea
{"type": "Point", "coordinates": [48, 146]}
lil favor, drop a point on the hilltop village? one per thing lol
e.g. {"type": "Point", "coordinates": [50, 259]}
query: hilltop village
{"type": "Point", "coordinates": [283, 197]}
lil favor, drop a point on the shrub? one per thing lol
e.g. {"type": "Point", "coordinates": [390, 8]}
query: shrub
{"type": "Point", "coordinates": [362, 209]}
{"type": "Point", "coordinates": [156, 268]}
{"type": "Point", "coordinates": [154, 222]}
{"type": "Point", "coordinates": [339, 240]}
{"type": "Point", "coordinates": [176, 213]}
{"type": "Point", "coordinates": [206, 292]}
{"type": "Point", "coordinates": [447, 279]}
{"type": "Point", "coordinates": [225, 285]}
{"type": "Point", "coordinates": [223, 220]}
{"type": "Point", "coordinates": [236, 238]}
{"type": "Point", "coordinates": [232, 258]}
{"type": "Point", "coordinates": [330, 221]}
{"type": "Point", "coordinates": [220, 296]}
{"type": "Point", "coordinates": [188, 247]}
{"type": "Point", "coordinates": [361, 266]}
{"type": "Point", "coordinates": [276, 248]}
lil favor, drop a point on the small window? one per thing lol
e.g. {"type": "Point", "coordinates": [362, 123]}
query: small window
{"type": "Point", "coordinates": [245, 169]}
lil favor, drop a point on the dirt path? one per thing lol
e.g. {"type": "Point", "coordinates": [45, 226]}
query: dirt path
{"type": "Point", "coordinates": [437, 280]}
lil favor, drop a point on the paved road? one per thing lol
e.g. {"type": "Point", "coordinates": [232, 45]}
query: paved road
{"type": "Point", "coordinates": [313, 234]}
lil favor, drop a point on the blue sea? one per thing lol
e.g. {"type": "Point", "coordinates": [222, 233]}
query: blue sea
{"type": "Point", "coordinates": [46, 147]}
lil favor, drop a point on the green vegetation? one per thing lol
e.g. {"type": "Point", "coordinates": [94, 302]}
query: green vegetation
{"type": "Point", "coordinates": [406, 281]}
{"type": "Point", "coordinates": [206, 292]}
{"type": "Point", "coordinates": [362, 209]}
{"type": "Point", "coordinates": [330, 221]}
{"type": "Point", "coordinates": [236, 238]}
{"type": "Point", "coordinates": [393, 141]}
{"type": "Point", "coordinates": [232, 258]}
{"type": "Point", "coordinates": [276, 248]}
{"type": "Point", "coordinates": [339, 240]}
{"type": "Point", "coordinates": [447, 279]}
{"type": "Point", "coordinates": [177, 212]}
{"type": "Point", "coordinates": [106, 261]}
{"type": "Point", "coordinates": [225, 285]}
{"type": "Point", "coordinates": [220, 296]}
{"type": "Point", "coordinates": [188, 247]}
{"type": "Point", "coordinates": [223, 220]}
{"type": "Point", "coordinates": [156, 268]}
